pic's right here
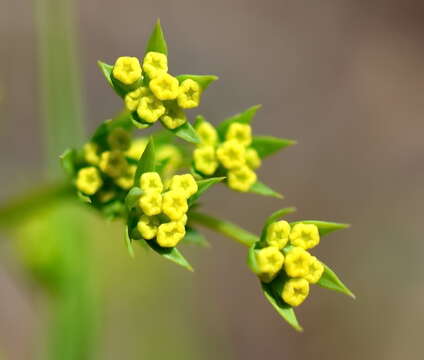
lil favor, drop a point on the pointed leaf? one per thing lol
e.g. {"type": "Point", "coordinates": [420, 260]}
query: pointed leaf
{"type": "Point", "coordinates": [275, 217]}
{"type": "Point", "coordinates": [324, 227]}
{"type": "Point", "coordinates": [84, 197]}
{"type": "Point", "coordinates": [128, 242]}
{"type": "Point", "coordinates": [245, 118]}
{"type": "Point", "coordinates": [268, 145]}
{"type": "Point", "coordinates": [146, 162]}
{"type": "Point", "coordinates": [194, 237]}
{"type": "Point", "coordinates": [187, 133]}
{"type": "Point", "coordinates": [107, 72]}
{"type": "Point", "coordinates": [330, 280]}
{"type": "Point", "coordinates": [204, 185]}
{"type": "Point", "coordinates": [171, 254]}
{"type": "Point", "coordinates": [262, 189]}
{"type": "Point", "coordinates": [67, 160]}
{"type": "Point", "coordinates": [251, 258]}
{"type": "Point", "coordinates": [203, 80]}
{"type": "Point", "coordinates": [132, 197]}
{"type": "Point", "coordinates": [157, 40]}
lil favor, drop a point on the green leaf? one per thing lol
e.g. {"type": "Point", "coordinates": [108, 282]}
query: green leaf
{"type": "Point", "coordinates": [107, 72]}
{"type": "Point", "coordinates": [202, 186]}
{"type": "Point", "coordinates": [132, 197]}
{"type": "Point", "coordinates": [203, 80]}
{"type": "Point", "coordinates": [286, 311]}
{"type": "Point", "coordinates": [157, 40]}
{"type": "Point", "coordinates": [245, 118]}
{"type": "Point", "coordinates": [67, 160]}
{"type": "Point", "coordinates": [83, 197]}
{"type": "Point", "coordinates": [194, 237]}
{"type": "Point", "coordinates": [128, 242]}
{"type": "Point", "coordinates": [251, 258]}
{"type": "Point", "coordinates": [187, 133]}
{"type": "Point", "coordinates": [146, 162]}
{"type": "Point", "coordinates": [199, 119]}
{"type": "Point", "coordinates": [262, 189]}
{"type": "Point", "coordinates": [275, 217]}
{"type": "Point", "coordinates": [171, 254]}
{"type": "Point", "coordinates": [268, 145]}
{"type": "Point", "coordinates": [330, 280]}
{"type": "Point", "coordinates": [324, 227]}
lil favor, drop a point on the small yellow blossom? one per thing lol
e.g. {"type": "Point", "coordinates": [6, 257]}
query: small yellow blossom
{"type": "Point", "coordinates": [295, 291]}
{"type": "Point", "coordinates": [89, 180]}
{"type": "Point", "coordinates": [207, 133]}
{"type": "Point", "coordinates": [126, 181]}
{"type": "Point", "coordinates": [297, 262]}
{"type": "Point", "coordinates": [173, 118]}
{"type": "Point", "coordinates": [241, 179]}
{"type": "Point", "coordinates": [119, 139]}
{"type": "Point", "coordinates": [315, 270]}
{"type": "Point", "coordinates": [241, 133]}
{"type": "Point", "coordinates": [205, 160]}
{"type": "Point", "coordinates": [113, 163]}
{"type": "Point", "coordinates": [183, 220]}
{"type": "Point", "coordinates": [305, 236]}
{"type": "Point", "coordinates": [173, 158]}
{"type": "Point", "coordinates": [252, 159]}
{"type": "Point", "coordinates": [170, 234]}
{"type": "Point", "coordinates": [151, 181]}
{"type": "Point", "coordinates": [269, 261]}
{"type": "Point", "coordinates": [151, 203]}
{"type": "Point", "coordinates": [174, 204]}
{"type": "Point", "coordinates": [189, 94]}
{"type": "Point", "coordinates": [91, 153]}
{"type": "Point", "coordinates": [231, 154]}
{"type": "Point", "coordinates": [132, 99]}
{"type": "Point", "coordinates": [184, 183]}
{"type": "Point", "coordinates": [127, 70]}
{"type": "Point", "coordinates": [278, 234]}
{"type": "Point", "coordinates": [137, 148]}
{"type": "Point", "coordinates": [164, 87]}
{"type": "Point", "coordinates": [155, 64]}
{"type": "Point", "coordinates": [150, 109]}
{"type": "Point", "coordinates": [147, 226]}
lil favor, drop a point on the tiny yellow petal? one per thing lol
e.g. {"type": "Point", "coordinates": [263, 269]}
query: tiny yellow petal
{"type": "Point", "coordinates": [113, 163]}
{"type": "Point", "coordinates": [137, 148]}
{"type": "Point", "coordinates": [174, 204]}
{"type": "Point", "coordinates": [164, 87]}
{"type": "Point", "coordinates": [315, 272]}
{"type": "Point", "coordinates": [189, 94]}
{"type": "Point", "coordinates": [207, 133]}
{"type": "Point", "coordinates": [91, 153]}
{"type": "Point", "coordinates": [269, 261]}
{"type": "Point", "coordinates": [151, 181]}
{"type": "Point", "coordinates": [205, 160]}
{"type": "Point", "coordinates": [295, 291]}
{"type": "Point", "coordinates": [132, 99]}
{"type": "Point", "coordinates": [150, 109]}
{"type": "Point", "coordinates": [278, 234]}
{"type": "Point", "coordinates": [184, 183]}
{"type": "Point", "coordinates": [89, 180]}
{"type": "Point", "coordinates": [155, 64]}
{"type": "Point", "coordinates": [297, 263]}
{"type": "Point", "coordinates": [173, 118]}
{"type": "Point", "coordinates": [252, 159]}
{"type": "Point", "coordinates": [147, 226]}
{"type": "Point", "coordinates": [127, 70]}
{"type": "Point", "coordinates": [305, 236]}
{"type": "Point", "coordinates": [231, 154]}
{"type": "Point", "coordinates": [151, 203]}
{"type": "Point", "coordinates": [126, 181]}
{"type": "Point", "coordinates": [241, 179]}
{"type": "Point", "coordinates": [170, 234]}
{"type": "Point", "coordinates": [241, 133]}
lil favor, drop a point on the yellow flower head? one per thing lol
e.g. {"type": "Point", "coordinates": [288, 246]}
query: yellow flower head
{"type": "Point", "coordinates": [150, 109]}
{"type": "Point", "coordinates": [137, 148]}
{"type": "Point", "coordinates": [151, 181]}
{"type": "Point", "coordinates": [231, 154]}
{"type": "Point", "coordinates": [252, 159]}
{"type": "Point", "coordinates": [170, 234]}
{"type": "Point", "coordinates": [90, 153]}
{"type": "Point", "coordinates": [207, 133]}
{"type": "Point", "coordinates": [315, 271]}
{"type": "Point", "coordinates": [174, 204]}
{"type": "Point", "coordinates": [164, 87]}
{"type": "Point", "coordinates": [119, 139]}
{"type": "Point", "coordinates": [147, 226]}
{"type": "Point", "coordinates": [126, 181]}
{"type": "Point", "coordinates": [113, 163]}
{"type": "Point", "coordinates": [241, 179]}
{"type": "Point", "coordinates": [184, 183]}
{"type": "Point", "coordinates": [297, 263]}
{"type": "Point", "coordinates": [127, 70]}
{"type": "Point", "coordinates": [269, 261]}
{"type": "Point", "coordinates": [295, 291]}
{"type": "Point", "coordinates": [205, 160]}
{"type": "Point", "coordinates": [241, 133]}
{"type": "Point", "coordinates": [278, 234]}
{"type": "Point", "coordinates": [132, 99]}
{"type": "Point", "coordinates": [189, 94]}
{"type": "Point", "coordinates": [151, 203]}
{"type": "Point", "coordinates": [155, 64]}
{"type": "Point", "coordinates": [172, 155]}
{"type": "Point", "coordinates": [173, 118]}
{"type": "Point", "coordinates": [305, 236]}
{"type": "Point", "coordinates": [183, 220]}
{"type": "Point", "coordinates": [89, 180]}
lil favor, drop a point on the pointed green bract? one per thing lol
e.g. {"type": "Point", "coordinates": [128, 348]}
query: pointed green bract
{"type": "Point", "coordinates": [187, 133]}
{"type": "Point", "coordinates": [132, 197]}
{"type": "Point", "coordinates": [277, 215]}
{"type": "Point", "coordinates": [202, 186]}
{"type": "Point", "coordinates": [146, 162]}
{"type": "Point", "coordinates": [251, 258]}
{"type": "Point", "coordinates": [331, 281]}
{"type": "Point", "coordinates": [107, 72]}
{"type": "Point", "coordinates": [324, 227]}
{"type": "Point", "coordinates": [194, 237]}
{"type": "Point", "coordinates": [268, 145]}
{"type": "Point", "coordinates": [203, 80]}
{"type": "Point", "coordinates": [128, 242]}
{"type": "Point", "coordinates": [245, 118]}
{"type": "Point", "coordinates": [262, 189]}
{"type": "Point", "coordinates": [157, 40]}
{"type": "Point", "coordinates": [67, 160]}
{"type": "Point", "coordinates": [83, 197]}
{"type": "Point", "coordinates": [171, 254]}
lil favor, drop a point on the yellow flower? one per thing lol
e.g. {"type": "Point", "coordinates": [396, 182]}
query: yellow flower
{"type": "Point", "coordinates": [173, 118]}
{"type": "Point", "coordinates": [173, 158]}
{"type": "Point", "coordinates": [305, 236]}
{"type": "Point", "coordinates": [137, 148]}
{"type": "Point", "coordinates": [241, 133]}
{"type": "Point", "coordinates": [170, 234]}
{"type": "Point", "coordinates": [148, 227]}
{"type": "Point", "coordinates": [297, 263]}
{"type": "Point", "coordinates": [127, 70]}
{"type": "Point", "coordinates": [113, 163]}
{"type": "Point", "coordinates": [252, 159]}
{"type": "Point", "coordinates": [295, 291]}
{"type": "Point", "coordinates": [132, 99]}
{"type": "Point", "coordinates": [90, 153]}
{"type": "Point", "coordinates": [189, 94]}
{"type": "Point", "coordinates": [207, 133]}
{"type": "Point", "coordinates": [184, 183]}
{"type": "Point", "coordinates": [155, 64]}
{"type": "Point", "coordinates": [150, 109]}
{"type": "Point", "coordinates": [119, 139]}
{"type": "Point", "coordinates": [231, 154]}
{"type": "Point", "coordinates": [174, 204]}
{"type": "Point", "coordinates": [205, 160]}
{"type": "Point", "coordinates": [164, 87]}
{"type": "Point", "coordinates": [269, 261]}
{"type": "Point", "coordinates": [315, 270]}
{"type": "Point", "coordinates": [183, 220]}
{"type": "Point", "coordinates": [89, 180]}
{"type": "Point", "coordinates": [278, 234]}
{"type": "Point", "coordinates": [241, 179]}
{"type": "Point", "coordinates": [126, 181]}
{"type": "Point", "coordinates": [151, 203]}
{"type": "Point", "coordinates": [151, 181]}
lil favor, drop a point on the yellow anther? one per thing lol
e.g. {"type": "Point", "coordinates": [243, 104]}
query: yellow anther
{"type": "Point", "coordinates": [189, 94]}
{"type": "Point", "coordinates": [173, 157]}
{"type": "Point", "coordinates": [137, 148]}
{"type": "Point", "coordinates": [315, 270]}
{"type": "Point", "coordinates": [241, 133]}
{"type": "Point", "coordinates": [269, 261]}
{"type": "Point", "coordinates": [297, 263]}
{"type": "Point", "coordinates": [207, 133]}
{"type": "Point", "coordinates": [151, 181]}
{"type": "Point", "coordinates": [295, 291]}
{"type": "Point", "coordinates": [150, 109]}
{"type": "Point", "coordinates": [164, 87]}
{"type": "Point", "coordinates": [241, 179]}
{"type": "Point", "coordinates": [126, 181]}
{"type": "Point", "coordinates": [132, 99]}
{"type": "Point", "coordinates": [205, 160]}
{"type": "Point", "coordinates": [127, 70]}
{"type": "Point", "coordinates": [119, 139]}
{"type": "Point", "coordinates": [278, 234]}
{"type": "Point", "coordinates": [151, 203]}
{"type": "Point", "coordinates": [174, 204]}
{"type": "Point", "coordinates": [155, 64]}
{"type": "Point", "coordinates": [91, 153]}
{"type": "Point", "coordinates": [231, 154]}
{"type": "Point", "coordinates": [173, 118]}
{"type": "Point", "coordinates": [113, 163]}
{"type": "Point", "coordinates": [170, 234]}
{"type": "Point", "coordinates": [89, 180]}
{"type": "Point", "coordinates": [252, 159]}
{"type": "Point", "coordinates": [305, 236]}
{"type": "Point", "coordinates": [147, 226]}
{"type": "Point", "coordinates": [184, 183]}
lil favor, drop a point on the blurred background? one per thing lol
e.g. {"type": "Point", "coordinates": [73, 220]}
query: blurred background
{"type": "Point", "coordinates": [345, 78]}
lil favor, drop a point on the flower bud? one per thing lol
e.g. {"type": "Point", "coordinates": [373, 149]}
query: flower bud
{"type": "Point", "coordinates": [151, 181]}
{"type": "Point", "coordinates": [189, 94]}
{"type": "Point", "coordinates": [132, 99]}
{"type": "Point", "coordinates": [174, 204]}
{"type": "Point", "coordinates": [297, 263]}
{"type": "Point", "coordinates": [305, 236]}
{"type": "Point", "coordinates": [252, 159]}
{"type": "Point", "coordinates": [231, 154]}
{"type": "Point", "coordinates": [315, 271]}
{"type": "Point", "coordinates": [278, 234]}
{"type": "Point", "coordinates": [173, 118]}
{"type": "Point", "coordinates": [150, 109]}
{"type": "Point", "coordinates": [184, 183]}
{"type": "Point", "coordinates": [126, 181]}
{"type": "Point", "coordinates": [147, 226]}
{"type": "Point", "coordinates": [207, 133]}
{"type": "Point", "coordinates": [241, 179]}
{"type": "Point", "coordinates": [151, 203]}
{"type": "Point", "coordinates": [155, 64]}
{"type": "Point", "coordinates": [164, 87]}
{"type": "Point", "coordinates": [91, 153]}
{"type": "Point", "coordinates": [170, 234]}
{"type": "Point", "coordinates": [119, 139]}
{"type": "Point", "coordinates": [89, 180]}
{"type": "Point", "coordinates": [269, 262]}
{"type": "Point", "coordinates": [127, 70]}
{"type": "Point", "coordinates": [205, 160]}
{"type": "Point", "coordinates": [113, 163]}
{"type": "Point", "coordinates": [295, 291]}
{"type": "Point", "coordinates": [242, 133]}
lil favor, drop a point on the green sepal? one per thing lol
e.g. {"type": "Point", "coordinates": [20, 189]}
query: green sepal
{"type": "Point", "coordinates": [324, 227]}
{"type": "Point", "coordinates": [268, 145]}
{"type": "Point", "coordinates": [202, 186]}
{"type": "Point", "coordinates": [157, 40]}
{"type": "Point", "coordinates": [83, 197]}
{"type": "Point", "coordinates": [251, 258]}
{"type": "Point", "coordinates": [146, 162]}
{"type": "Point", "coordinates": [275, 216]}
{"type": "Point", "coordinates": [187, 133]}
{"type": "Point", "coordinates": [172, 254]}
{"type": "Point", "coordinates": [262, 189]}
{"type": "Point", "coordinates": [67, 159]}
{"type": "Point", "coordinates": [331, 281]}
{"type": "Point", "coordinates": [194, 237]}
{"type": "Point", "coordinates": [128, 242]}
{"type": "Point", "coordinates": [203, 80]}
{"type": "Point", "coordinates": [245, 118]}
{"type": "Point", "coordinates": [132, 197]}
